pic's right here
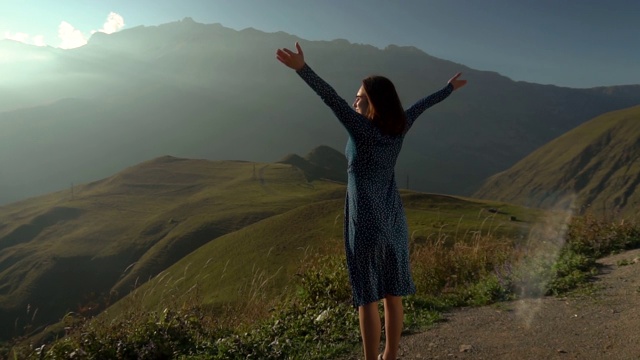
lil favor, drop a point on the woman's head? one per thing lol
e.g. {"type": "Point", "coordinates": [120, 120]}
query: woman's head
{"type": "Point", "coordinates": [378, 100]}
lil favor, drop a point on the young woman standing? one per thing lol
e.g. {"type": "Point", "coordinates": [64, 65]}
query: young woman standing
{"type": "Point", "coordinates": [375, 227]}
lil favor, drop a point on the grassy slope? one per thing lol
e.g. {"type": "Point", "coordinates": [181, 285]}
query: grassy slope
{"type": "Point", "coordinates": [234, 266]}
{"type": "Point", "coordinates": [220, 224]}
{"type": "Point", "coordinates": [58, 250]}
{"type": "Point", "coordinates": [261, 259]}
{"type": "Point", "coordinates": [596, 162]}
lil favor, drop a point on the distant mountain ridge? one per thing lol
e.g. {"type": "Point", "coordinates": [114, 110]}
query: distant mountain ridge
{"type": "Point", "coordinates": [322, 162]}
{"type": "Point", "coordinates": [597, 163]}
{"type": "Point", "coordinates": [205, 91]}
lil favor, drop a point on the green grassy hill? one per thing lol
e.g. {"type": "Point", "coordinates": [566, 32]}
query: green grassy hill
{"type": "Point", "coordinates": [597, 163]}
{"type": "Point", "coordinates": [62, 250]}
{"type": "Point", "coordinates": [236, 229]}
{"type": "Point", "coordinates": [260, 259]}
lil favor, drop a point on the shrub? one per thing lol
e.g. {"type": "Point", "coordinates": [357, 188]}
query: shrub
{"type": "Point", "coordinates": [597, 237]}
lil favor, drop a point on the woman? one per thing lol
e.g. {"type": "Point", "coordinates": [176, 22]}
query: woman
{"type": "Point", "coordinates": [375, 226]}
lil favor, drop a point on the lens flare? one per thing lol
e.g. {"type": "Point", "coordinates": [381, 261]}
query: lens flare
{"type": "Point", "coordinates": [534, 271]}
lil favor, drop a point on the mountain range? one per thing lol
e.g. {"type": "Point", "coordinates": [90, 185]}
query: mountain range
{"type": "Point", "coordinates": [204, 91]}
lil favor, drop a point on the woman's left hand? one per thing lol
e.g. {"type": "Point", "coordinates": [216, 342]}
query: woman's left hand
{"type": "Point", "coordinates": [457, 83]}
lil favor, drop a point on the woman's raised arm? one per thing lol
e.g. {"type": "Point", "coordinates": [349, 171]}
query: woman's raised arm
{"type": "Point", "coordinates": [356, 124]}
{"type": "Point", "coordinates": [423, 104]}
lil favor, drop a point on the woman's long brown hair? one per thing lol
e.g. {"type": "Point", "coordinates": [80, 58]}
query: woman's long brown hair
{"type": "Point", "coordinates": [385, 108]}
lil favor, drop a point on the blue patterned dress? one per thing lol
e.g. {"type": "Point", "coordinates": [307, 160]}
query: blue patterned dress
{"type": "Point", "coordinates": [375, 226]}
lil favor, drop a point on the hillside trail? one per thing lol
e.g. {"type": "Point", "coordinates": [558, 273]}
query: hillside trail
{"type": "Point", "coordinates": [601, 325]}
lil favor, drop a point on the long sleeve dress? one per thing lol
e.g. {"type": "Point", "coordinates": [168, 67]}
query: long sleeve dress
{"type": "Point", "coordinates": [375, 226]}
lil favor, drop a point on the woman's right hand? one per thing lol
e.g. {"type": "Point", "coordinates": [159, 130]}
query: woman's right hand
{"type": "Point", "coordinates": [294, 60]}
{"type": "Point", "coordinates": [457, 83]}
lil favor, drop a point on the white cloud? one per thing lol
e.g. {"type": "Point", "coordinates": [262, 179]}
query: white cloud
{"type": "Point", "coordinates": [21, 37]}
{"type": "Point", "coordinates": [38, 40]}
{"type": "Point", "coordinates": [70, 36]}
{"type": "Point", "coordinates": [114, 23]}
{"type": "Point", "coordinates": [25, 38]}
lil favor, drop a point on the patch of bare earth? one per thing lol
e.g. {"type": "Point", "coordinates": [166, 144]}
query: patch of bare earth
{"type": "Point", "coordinates": [601, 325]}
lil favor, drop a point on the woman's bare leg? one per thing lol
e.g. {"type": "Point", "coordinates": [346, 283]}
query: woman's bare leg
{"type": "Point", "coordinates": [393, 319]}
{"type": "Point", "coordinates": [370, 330]}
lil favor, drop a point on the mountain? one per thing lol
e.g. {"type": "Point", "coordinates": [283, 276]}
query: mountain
{"type": "Point", "coordinates": [205, 91]}
{"type": "Point", "coordinates": [182, 222]}
{"type": "Point", "coordinates": [322, 162]}
{"type": "Point", "coordinates": [596, 163]}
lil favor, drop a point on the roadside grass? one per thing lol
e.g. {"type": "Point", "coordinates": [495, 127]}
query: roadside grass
{"type": "Point", "coordinates": [315, 320]}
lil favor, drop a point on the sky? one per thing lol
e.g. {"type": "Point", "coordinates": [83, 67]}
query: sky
{"type": "Point", "coordinates": [574, 43]}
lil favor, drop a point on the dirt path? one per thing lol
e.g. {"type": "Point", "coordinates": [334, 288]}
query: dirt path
{"type": "Point", "coordinates": [605, 325]}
